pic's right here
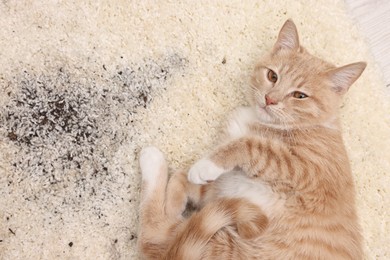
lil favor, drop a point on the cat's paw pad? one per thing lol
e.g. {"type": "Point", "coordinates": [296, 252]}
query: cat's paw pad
{"type": "Point", "coordinates": [151, 161]}
{"type": "Point", "coordinates": [204, 171]}
{"type": "Point", "coordinates": [239, 121]}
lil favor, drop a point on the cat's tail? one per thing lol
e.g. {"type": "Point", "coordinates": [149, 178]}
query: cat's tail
{"type": "Point", "coordinates": [191, 241]}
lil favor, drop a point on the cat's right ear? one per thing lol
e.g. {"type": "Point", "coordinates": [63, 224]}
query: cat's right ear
{"type": "Point", "coordinates": [288, 37]}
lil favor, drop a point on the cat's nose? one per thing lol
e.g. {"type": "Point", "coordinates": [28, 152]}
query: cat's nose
{"type": "Point", "coordinates": [270, 101]}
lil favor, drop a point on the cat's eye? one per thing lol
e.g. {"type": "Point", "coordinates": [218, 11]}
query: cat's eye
{"type": "Point", "coordinates": [299, 95]}
{"type": "Point", "coordinates": [272, 76]}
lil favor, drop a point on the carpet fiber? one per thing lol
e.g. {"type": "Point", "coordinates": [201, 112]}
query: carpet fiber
{"type": "Point", "coordinates": [84, 85]}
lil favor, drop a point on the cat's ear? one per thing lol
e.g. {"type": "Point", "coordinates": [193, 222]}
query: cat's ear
{"type": "Point", "coordinates": [288, 37]}
{"type": "Point", "coordinates": [342, 78]}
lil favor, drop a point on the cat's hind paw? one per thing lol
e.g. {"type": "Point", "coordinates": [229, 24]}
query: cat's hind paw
{"type": "Point", "coordinates": [204, 171]}
{"type": "Point", "coordinates": [152, 162]}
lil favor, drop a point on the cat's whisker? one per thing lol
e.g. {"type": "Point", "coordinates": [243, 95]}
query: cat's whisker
{"type": "Point", "coordinates": [254, 93]}
{"type": "Point", "coordinates": [281, 116]}
{"type": "Point", "coordinates": [287, 121]}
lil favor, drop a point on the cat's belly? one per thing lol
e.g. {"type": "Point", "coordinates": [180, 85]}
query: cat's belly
{"type": "Point", "coordinates": [236, 184]}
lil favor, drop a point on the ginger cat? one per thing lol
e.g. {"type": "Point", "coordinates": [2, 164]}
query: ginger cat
{"type": "Point", "coordinates": [279, 188]}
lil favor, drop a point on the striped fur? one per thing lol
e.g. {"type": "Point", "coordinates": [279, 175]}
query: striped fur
{"type": "Point", "coordinates": [280, 187]}
{"type": "Point", "coordinates": [163, 226]}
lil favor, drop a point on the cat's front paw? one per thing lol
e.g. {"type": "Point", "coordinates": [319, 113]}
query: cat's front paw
{"type": "Point", "coordinates": [204, 171]}
{"type": "Point", "coordinates": [151, 162]}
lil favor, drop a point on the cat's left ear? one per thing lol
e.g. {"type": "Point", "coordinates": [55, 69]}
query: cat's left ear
{"type": "Point", "coordinates": [342, 78]}
{"type": "Point", "coordinates": [288, 37]}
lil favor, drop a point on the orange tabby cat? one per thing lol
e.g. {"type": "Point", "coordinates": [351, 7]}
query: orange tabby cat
{"type": "Point", "coordinates": [279, 188]}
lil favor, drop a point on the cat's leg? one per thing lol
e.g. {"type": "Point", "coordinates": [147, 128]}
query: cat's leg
{"type": "Point", "coordinates": [179, 192]}
{"type": "Point", "coordinates": [192, 241]}
{"type": "Point", "coordinates": [238, 126]}
{"type": "Point", "coordinates": [239, 122]}
{"type": "Point", "coordinates": [153, 221]}
{"type": "Point", "coordinates": [162, 204]}
{"type": "Point", "coordinates": [154, 171]}
{"type": "Point", "coordinates": [204, 171]}
{"type": "Point", "coordinates": [251, 154]}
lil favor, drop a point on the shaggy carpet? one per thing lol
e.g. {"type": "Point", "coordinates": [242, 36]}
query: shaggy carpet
{"type": "Point", "coordinates": [84, 85]}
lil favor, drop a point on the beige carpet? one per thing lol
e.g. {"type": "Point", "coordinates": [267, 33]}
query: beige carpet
{"type": "Point", "coordinates": [85, 84]}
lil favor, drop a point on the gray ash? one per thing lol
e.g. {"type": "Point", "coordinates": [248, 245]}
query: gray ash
{"type": "Point", "coordinates": [67, 128]}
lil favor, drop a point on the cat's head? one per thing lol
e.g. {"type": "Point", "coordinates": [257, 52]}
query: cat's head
{"type": "Point", "coordinates": [291, 87]}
